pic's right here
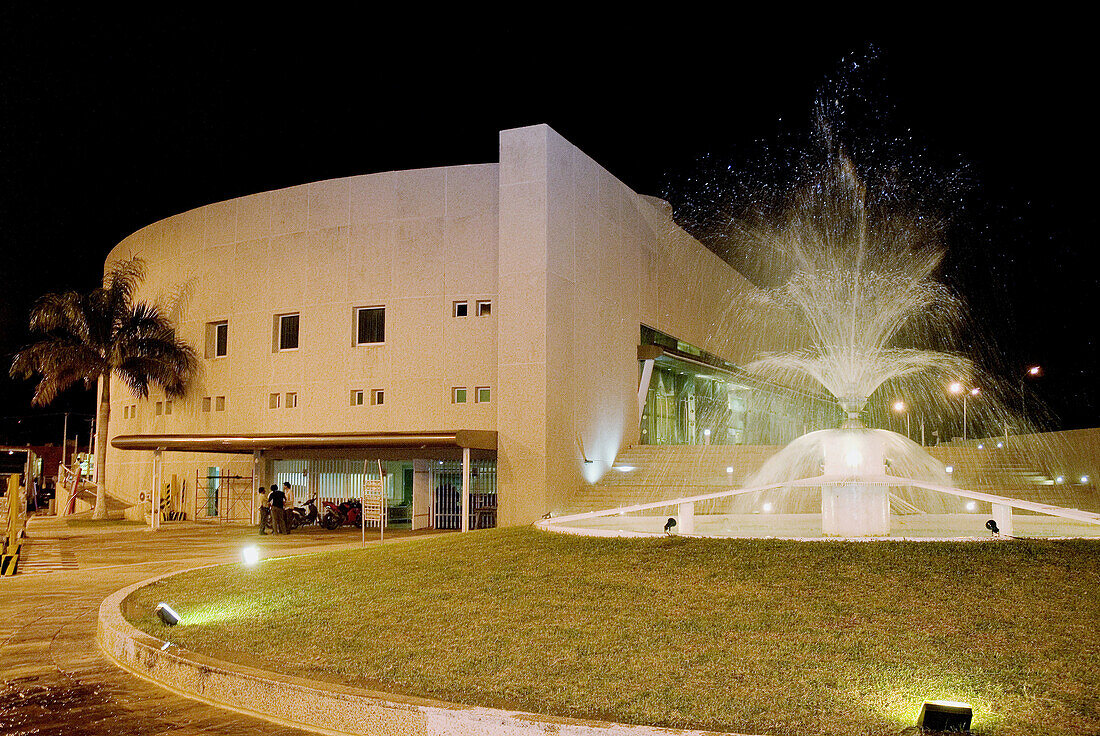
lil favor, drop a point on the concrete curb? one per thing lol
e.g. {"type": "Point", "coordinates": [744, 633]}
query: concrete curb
{"type": "Point", "coordinates": [318, 706]}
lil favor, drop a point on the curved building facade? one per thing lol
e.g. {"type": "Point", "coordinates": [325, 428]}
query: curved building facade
{"type": "Point", "coordinates": [491, 311]}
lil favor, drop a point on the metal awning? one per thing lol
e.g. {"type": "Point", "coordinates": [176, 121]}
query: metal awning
{"type": "Point", "coordinates": [473, 439]}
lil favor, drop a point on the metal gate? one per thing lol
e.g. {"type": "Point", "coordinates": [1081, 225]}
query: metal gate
{"type": "Point", "coordinates": [445, 482]}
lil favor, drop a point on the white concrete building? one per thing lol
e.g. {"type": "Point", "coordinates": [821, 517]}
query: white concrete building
{"type": "Point", "coordinates": [500, 308]}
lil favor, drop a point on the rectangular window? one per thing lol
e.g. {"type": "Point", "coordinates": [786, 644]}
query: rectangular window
{"type": "Point", "coordinates": [291, 400]}
{"type": "Point", "coordinates": [206, 403]}
{"type": "Point", "coordinates": [217, 339]}
{"type": "Point", "coordinates": [481, 395]}
{"type": "Point", "coordinates": [484, 308]}
{"type": "Point", "coordinates": [370, 325]}
{"type": "Point", "coordinates": [274, 400]}
{"type": "Point", "coordinates": [377, 396]}
{"type": "Point", "coordinates": [286, 332]}
{"type": "Point", "coordinates": [458, 395]}
{"type": "Point", "coordinates": [160, 408]}
{"type": "Point", "coordinates": [126, 412]}
{"type": "Point", "coordinates": [167, 407]}
{"type": "Point", "coordinates": [357, 398]}
{"type": "Point", "coordinates": [219, 403]}
{"type": "Point", "coordinates": [460, 309]}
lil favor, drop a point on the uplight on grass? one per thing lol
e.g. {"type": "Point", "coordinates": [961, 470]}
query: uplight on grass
{"type": "Point", "coordinates": [250, 555]}
{"type": "Point", "coordinates": [945, 715]}
{"type": "Point", "coordinates": [167, 615]}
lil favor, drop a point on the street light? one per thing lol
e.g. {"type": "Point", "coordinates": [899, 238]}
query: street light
{"type": "Point", "coordinates": [901, 408]}
{"type": "Point", "coordinates": [958, 388]}
{"type": "Point", "coordinates": [1035, 371]}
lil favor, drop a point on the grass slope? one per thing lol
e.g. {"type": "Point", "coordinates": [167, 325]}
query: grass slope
{"type": "Point", "coordinates": [751, 636]}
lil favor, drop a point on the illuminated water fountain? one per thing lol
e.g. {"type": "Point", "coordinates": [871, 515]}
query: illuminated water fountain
{"type": "Point", "coordinates": [857, 272]}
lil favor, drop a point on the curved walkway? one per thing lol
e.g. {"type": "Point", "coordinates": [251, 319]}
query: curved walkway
{"type": "Point", "coordinates": [53, 679]}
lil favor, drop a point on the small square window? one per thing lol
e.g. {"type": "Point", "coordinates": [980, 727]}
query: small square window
{"type": "Point", "coordinates": [377, 397]}
{"type": "Point", "coordinates": [274, 401]}
{"type": "Point", "coordinates": [370, 325]}
{"type": "Point", "coordinates": [219, 403]}
{"type": "Point", "coordinates": [484, 308]}
{"type": "Point", "coordinates": [206, 403]}
{"type": "Point", "coordinates": [167, 407]}
{"type": "Point", "coordinates": [458, 395]}
{"type": "Point", "coordinates": [482, 395]}
{"type": "Point", "coordinates": [291, 400]}
{"type": "Point", "coordinates": [357, 398]}
{"type": "Point", "coordinates": [160, 408]}
{"type": "Point", "coordinates": [460, 309]}
{"type": "Point", "coordinates": [286, 331]}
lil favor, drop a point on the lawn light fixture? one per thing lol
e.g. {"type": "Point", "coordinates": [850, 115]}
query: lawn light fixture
{"type": "Point", "coordinates": [767, 507]}
{"type": "Point", "coordinates": [250, 555]}
{"type": "Point", "coordinates": [945, 715]}
{"type": "Point", "coordinates": [1060, 479]}
{"type": "Point", "coordinates": [949, 469]}
{"type": "Point", "coordinates": [1084, 479]}
{"type": "Point", "coordinates": [668, 525]}
{"type": "Point", "coordinates": [991, 525]}
{"type": "Point", "coordinates": [167, 615]}
{"type": "Point", "coordinates": [971, 506]}
{"type": "Point", "coordinates": [729, 469]}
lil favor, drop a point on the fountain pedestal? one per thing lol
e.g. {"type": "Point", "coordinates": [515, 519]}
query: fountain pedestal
{"type": "Point", "coordinates": [855, 508]}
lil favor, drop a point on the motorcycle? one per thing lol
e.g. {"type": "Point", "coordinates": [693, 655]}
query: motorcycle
{"type": "Point", "coordinates": [347, 512]}
{"type": "Point", "coordinates": [303, 515]}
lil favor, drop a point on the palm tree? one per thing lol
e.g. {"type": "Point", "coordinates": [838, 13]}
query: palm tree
{"type": "Point", "coordinates": [90, 337]}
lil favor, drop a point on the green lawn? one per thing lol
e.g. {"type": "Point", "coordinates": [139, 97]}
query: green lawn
{"type": "Point", "coordinates": [752, 636]}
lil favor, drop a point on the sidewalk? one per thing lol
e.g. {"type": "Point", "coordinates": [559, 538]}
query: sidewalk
{"type": "Point", "coordinates": [53, 679]}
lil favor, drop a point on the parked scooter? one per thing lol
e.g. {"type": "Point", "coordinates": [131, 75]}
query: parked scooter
{"type": "Point", "coordinates": [303, 515]}
{"type": "Point", "coordinates": [347, 512]}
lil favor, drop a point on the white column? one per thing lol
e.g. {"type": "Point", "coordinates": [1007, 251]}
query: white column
{"type": "Point", "coordinates": [1003, 516]}
{"type": "Point", "coordinates": [257, 481]}
{"type": "Point", "coordinates": [158, 480]}
{"type": "Point", "coordinates": [686, 520]}
{"type": "Point", "coordinates": [465, 489]}
{"type": "Point", "coordinates": [643, 385]}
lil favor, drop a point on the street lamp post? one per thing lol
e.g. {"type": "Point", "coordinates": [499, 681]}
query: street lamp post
{"type": "Point", "coordinates": [1034, 371]}
{"type": "Point", "coordinates": [958, 388]}
{"type": "Point", "coordinates": [900, 408]}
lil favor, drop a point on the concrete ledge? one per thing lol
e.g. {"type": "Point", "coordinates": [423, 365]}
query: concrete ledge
{"type": "Point", "coordinates": [318, 706]}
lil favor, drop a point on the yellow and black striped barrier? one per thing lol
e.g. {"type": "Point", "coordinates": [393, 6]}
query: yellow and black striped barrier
{"type": "Point", "coordinates": [10, 561]}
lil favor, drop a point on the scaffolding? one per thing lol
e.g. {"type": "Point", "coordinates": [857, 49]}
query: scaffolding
{"type": "Point", "coordinates": [224, 497]}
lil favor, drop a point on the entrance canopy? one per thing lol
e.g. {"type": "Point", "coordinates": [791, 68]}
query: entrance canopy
{"type": "Point", "coordinates": [410, 444]}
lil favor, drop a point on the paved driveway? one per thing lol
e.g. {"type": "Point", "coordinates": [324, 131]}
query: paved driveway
{"type": "Point", "coordinates": [54, 679]}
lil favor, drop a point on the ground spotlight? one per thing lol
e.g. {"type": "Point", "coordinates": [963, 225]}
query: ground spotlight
{"type": "Point", "coordinates": [971, 506]}
{"type": "Point", "coordinates": [669, 524]}
{"type": "Point", "coordinates": [991, 525]}
{"type": "Point", "coordinates": [767, 507]}
{"type": "Point", "coordinates": [250, 555]}
{"type": "Point", "coordinates": [167, 615]}
{"type": "Point", "coordinates": [945, 715]}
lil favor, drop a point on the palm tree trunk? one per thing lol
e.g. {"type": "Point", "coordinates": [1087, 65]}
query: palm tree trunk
{"type": "Point", "coordinates": [103, 416]}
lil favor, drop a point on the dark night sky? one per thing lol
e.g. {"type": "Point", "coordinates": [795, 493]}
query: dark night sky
{"type": "Point", "coordinates": [107, 126]}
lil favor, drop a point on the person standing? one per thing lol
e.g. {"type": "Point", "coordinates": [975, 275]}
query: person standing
{"type": "Point", "coordinates": [278, 515]}
{"type": "Point", "coordinates": [265, 511]}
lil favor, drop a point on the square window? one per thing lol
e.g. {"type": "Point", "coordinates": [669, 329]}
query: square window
{"type": "Point", "coordinates": [357, 398]}
{"type": "Point", "coordinates": [484, 308]}
{"type": "Point", "coordinates": [291, 400]}
{"type": "Point", "coordinates": [217, 339]}
{"type": "Point", "coordinates": [460, 309]}
{"type": "Point", "coordinates": [458, 395]}
{"type": "Point", "coordinates": [286, 332]}
{"type": "Point", "coordinates": [160, 408]}
{"type": "Point", "coordinates": [377, 396]}
{"type": "Point", "coordinates": [206, 403]}
{"type": "Point", "coordinates": [219, 403]}
{"type": "Point", "coordinates": [370, 325]}
{"type": "Point", "coordinates": [274, 400]}
{"type": "Point", "coordinates": [482, 395]}
{"type": "Point", "coordinates": [167, 407]}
